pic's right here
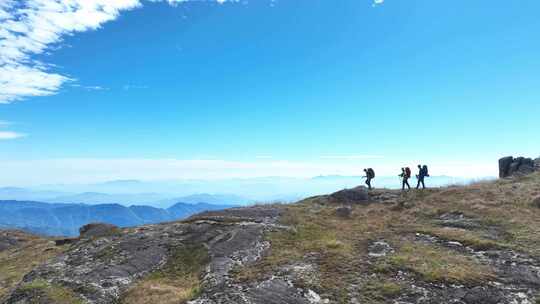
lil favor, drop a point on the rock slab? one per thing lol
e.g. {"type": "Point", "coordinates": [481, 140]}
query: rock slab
{"type": "Point", "coordinates": [351, 196]}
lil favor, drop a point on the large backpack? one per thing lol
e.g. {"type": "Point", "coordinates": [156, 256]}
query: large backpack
{"type": "Point", "coordinates": [425, 169]}
{"type": "Point", "coordinates": [408, 172]}
{"type": "Point", "coordinates": [371, 173]}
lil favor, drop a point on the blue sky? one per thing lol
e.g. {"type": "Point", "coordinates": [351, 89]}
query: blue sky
{"type": "Point", "coordinates": [255, 88]}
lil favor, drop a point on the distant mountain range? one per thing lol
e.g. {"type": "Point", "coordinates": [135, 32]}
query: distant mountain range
{"type": "Point", "coordinates": [66, 219]}
{"type": "Point", "coordinates": [158, 200]}
{"type": "Point", "coordinates": [239, 191]}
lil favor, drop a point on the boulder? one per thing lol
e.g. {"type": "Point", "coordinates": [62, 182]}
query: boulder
{"type": "Point", "coordinates": [350, 196]}
{"type": "Point", "coordinates": [94, 230]}
{"type": "Point", "coordinates": [509, 166]}
{"type": "Point", "coordinates": [504, 166]}
{"type": "Point", "coordinates": [344, 211]}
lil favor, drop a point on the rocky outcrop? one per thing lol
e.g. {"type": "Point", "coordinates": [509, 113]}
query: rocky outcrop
{"type": "Point", "coordinates": [99, 269]}
{"type": "Point", "coordinates": [95, 230]}
{"type": "Point", "coordinates": [351, 196]}
{"type": "Point", "coordinates": [510, 166]}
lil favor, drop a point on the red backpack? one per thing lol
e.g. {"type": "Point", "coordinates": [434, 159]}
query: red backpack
{"type": "Point", "coordinates": [408, 172]}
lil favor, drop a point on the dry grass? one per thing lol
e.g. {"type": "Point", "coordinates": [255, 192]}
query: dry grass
{"type": "Point", "coordinates": [465, 237]}
{"type": "Point", "coordinates": [435, 264]}
{"type": "Point", "coordinates": [377, 290]}
{"type": "Point", "coordinates": [341, 244]}
{"type": "Point", "coordinates": [163, 291]}
{"type": "Point", "coordinates": [504, 204]}
{"type": "Point", "coordinates": [176, 283]}
{"type": "Point", "coordinates": [16, 262]}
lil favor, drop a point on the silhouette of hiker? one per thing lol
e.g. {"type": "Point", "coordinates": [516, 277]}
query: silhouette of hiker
{"type": "Point", "coordinates": [422, 173]}
{"type": "Point", "coordinates": [370, 174]}
{"type": "Point", "coordinates": [405, 175]}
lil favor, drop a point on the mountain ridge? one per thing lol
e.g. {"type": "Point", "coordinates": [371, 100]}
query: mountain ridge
{"type": "Point", "coordinates": [65, 219]}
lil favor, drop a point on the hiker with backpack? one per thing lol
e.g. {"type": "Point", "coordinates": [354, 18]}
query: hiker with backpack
{"type": "Point", "coordinates": [405, 175]}
{"type": "Point", "coordinates": [370, 174]}
{"type": "Point", "coordinates": [422, 174]}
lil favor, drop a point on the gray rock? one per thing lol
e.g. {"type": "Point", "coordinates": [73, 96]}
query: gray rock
{"type": "Point", "coordinates": [351, 196]}
{"type": "Point", "coordinates": [482, 295]}
{"type": "Point", "coordinates": [379, 249]}
{"type": "Point", "coordinates": [94, 230]}
{"type": "Point", "coordinates": [458, 220]}
{"type": "Point", "coordinates": [509, 166]}
{"type": "Point", "coordinates": [344, 211]}
{"type": "Point", "coordinates": [525, 169]}
{"type": "Point", "coordinates": [514, 167]}
{"type": "Point", "coordinates": [504, 166]}
{"type": "Point", "coordinates": [529, 162]}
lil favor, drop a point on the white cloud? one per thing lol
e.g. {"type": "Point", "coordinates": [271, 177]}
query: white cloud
{"type": "Point", "coordinates": [31, 27]}
{"type": "Point", "coordinates": [377, 2]}
{"type": "Point", "coordinates": [4, 135]}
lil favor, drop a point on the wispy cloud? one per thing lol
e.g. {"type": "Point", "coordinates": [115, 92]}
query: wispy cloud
{"type": "Point", "coordinates": [4, 135]}
{"type": "Point", "coordinates": [377, 2]}
{"type": "Point", "coordinates": [89, 88]}
{"type": "Point", "coordinates": [31, 27]}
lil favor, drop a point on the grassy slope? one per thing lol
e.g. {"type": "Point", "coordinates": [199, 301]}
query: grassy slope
{"type": "Point", "coordinates": [341, 245]}
{"type": "Point", "coordinates": [17, 261]}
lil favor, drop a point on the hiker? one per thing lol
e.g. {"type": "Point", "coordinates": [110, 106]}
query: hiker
{"type": "Point", "coordinates": [370, 174]}
{"type": "Point", "coordinates": [422, 174]}
{"type": "Point", "coordinates": [405, 175]}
